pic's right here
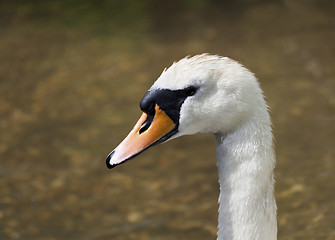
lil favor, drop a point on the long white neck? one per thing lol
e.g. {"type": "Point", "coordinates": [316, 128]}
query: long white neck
{"type": "Point", "coordinates": [246, 162]}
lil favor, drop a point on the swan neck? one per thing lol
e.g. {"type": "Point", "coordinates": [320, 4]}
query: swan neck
{"type": "Point", "coordinates": [246, 163]}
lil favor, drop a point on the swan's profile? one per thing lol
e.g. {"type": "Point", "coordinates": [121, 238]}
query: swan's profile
{"type": "Point", "coordinates": [208, 93]}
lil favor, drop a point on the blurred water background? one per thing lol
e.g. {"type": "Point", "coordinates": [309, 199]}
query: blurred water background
{"type": "Point", "coordinates": [72, 74]}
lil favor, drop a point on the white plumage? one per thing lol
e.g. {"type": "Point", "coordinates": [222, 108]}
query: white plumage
{"type": "Point", "coordinates": [231, 105]}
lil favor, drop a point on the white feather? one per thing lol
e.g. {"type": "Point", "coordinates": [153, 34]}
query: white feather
{"type": "Point", "coordinates": [231, 105]}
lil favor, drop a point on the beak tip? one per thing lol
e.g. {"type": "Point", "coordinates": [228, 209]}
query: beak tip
{"type": "Point", "coordinates": [109, 157]}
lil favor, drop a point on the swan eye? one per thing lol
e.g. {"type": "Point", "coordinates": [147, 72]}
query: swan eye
{"type": "Point", "coordinates": [190, 91]}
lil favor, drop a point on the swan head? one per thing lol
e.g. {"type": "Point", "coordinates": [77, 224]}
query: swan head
{"type": "Point", "coordinates": [204, 93]}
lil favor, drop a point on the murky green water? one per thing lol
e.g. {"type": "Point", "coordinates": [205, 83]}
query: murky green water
{"type": "Point", "coordinates": [71, 77]}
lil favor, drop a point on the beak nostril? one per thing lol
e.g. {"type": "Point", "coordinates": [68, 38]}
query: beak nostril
{"type": "Point", "coordinates": [144, 127]}
{"type": "Point", "coordinates": [146, 124]}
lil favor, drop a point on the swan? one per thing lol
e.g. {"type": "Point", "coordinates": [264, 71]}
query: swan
{"type": "Point", "coordinates": [214, 94]}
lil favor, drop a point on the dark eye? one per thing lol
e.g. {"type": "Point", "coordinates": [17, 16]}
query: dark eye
{"type": "Point", "coordinates": [190, 91]}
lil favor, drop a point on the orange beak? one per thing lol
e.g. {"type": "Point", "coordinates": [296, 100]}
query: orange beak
{"type": "Point", "coordinates": [137, 140]}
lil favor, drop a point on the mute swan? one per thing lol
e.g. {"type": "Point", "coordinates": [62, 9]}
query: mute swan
{"type": "Point", "coordinates": [208, 93]}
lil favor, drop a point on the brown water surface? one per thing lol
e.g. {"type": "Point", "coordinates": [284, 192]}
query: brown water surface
{"type": "Point", "coordinates": [72, 76]}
